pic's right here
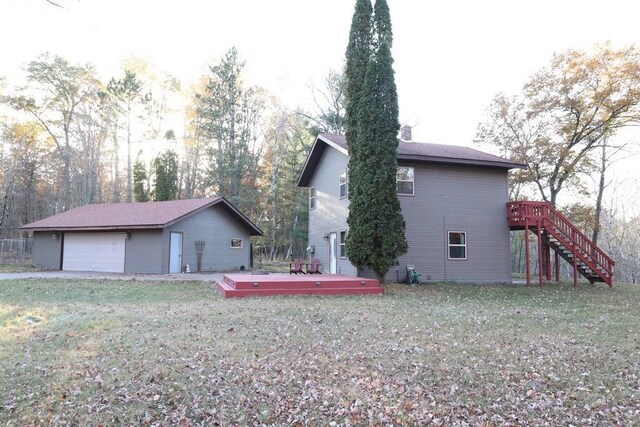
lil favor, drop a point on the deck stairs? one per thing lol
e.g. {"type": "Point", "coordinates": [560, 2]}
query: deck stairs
{"type": "Point", "coordinates": [559, 234]}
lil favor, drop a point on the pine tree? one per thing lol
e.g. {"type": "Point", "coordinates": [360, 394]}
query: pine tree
{"type": "Point", "coordinates": [126, 92]}
{"type": "Point", "coordinates": [230, 113]}
{"type": "Point", "coordinates": [382, 23]}
{"type": "Point", "coordinates": [140, 178]}
{"type": "Point", "coordinates": [166, 171]}
{"type": "Point", "coordinates": [376, 226]}
{"type": "Point", "coordinates": [358, 56]}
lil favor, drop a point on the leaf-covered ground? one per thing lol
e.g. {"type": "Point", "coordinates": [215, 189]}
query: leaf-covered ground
{"type": "Point", "coordinates": [176, 353]}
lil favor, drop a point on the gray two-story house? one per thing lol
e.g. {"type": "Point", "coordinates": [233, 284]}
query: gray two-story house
{"type": "Point", "coordinates": [453, 200]}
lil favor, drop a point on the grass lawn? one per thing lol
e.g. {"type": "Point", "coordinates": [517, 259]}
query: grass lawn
{"type": "Point", "coordinates": [167, 353]}
{"type": "Point", "coordinates": [17, 268]}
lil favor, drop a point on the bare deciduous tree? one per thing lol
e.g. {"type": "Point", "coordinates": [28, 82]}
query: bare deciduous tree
{"type": "Point", "coordinates": [58, 89]}
{"type": "Point", "coordinates": [563, 114]}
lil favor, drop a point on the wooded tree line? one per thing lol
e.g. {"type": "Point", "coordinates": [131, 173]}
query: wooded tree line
{"type": "Point", "coordinates": [565, 125]}
{"type": "Point", "coordinates": [70, 139]}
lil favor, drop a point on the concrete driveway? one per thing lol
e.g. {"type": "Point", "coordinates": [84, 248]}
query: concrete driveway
{"type": "Point", "coordinates": [205, 277]}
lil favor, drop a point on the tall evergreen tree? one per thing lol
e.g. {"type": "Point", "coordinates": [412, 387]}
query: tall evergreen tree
{"type": "Point", "coordinates": [166, 171]}
{"type": "Point", "coordinates": [382, 24]}
{"type": "Point", "coordinates": [230, 113]}
{"type": "Point", "coordinates": [126, 92]}
{"type": "Point", "coordinates": [358, 56]}
{"type": "Point", "coordinates": [376, 226]}
{"type": "Point", "coordinates": [140, 180]}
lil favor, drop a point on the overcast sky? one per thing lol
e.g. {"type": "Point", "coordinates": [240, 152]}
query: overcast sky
{"type": "Point", "coordinates": [451, 57]}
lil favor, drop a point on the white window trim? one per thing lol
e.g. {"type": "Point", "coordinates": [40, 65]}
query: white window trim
{"type": "Point", "coordinates": [346, 184]}
{"type": "Point", "coordinates": [236, 247]}
{"type": "Point", "coordinates": [312, 190]}
{"type": "Point", "coordinates": [457, 245]}
{"type": "Point", "coordinates": [413, 182]}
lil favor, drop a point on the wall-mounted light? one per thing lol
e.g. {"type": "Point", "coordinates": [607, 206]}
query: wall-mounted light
{"type": "Point", "coordinates": [55, 236]}
{"type": "Point", "coordinates": [127, 235]}
{"type": "Point", "coordinates": [326, 236]}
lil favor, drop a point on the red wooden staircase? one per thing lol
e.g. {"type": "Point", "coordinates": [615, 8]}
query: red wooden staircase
{"type": "Point", "coordinates": [556, 232]}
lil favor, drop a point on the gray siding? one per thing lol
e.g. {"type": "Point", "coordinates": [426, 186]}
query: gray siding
{"type": "Point", "coordinates": [456, 198]}
{"type": "Point", "coordinates": [330, 213]}
{"type": "Point", "coordinates": [447, 198]}
{"type": "Point", "coordinates": [143, 252]}
{"type": "Point", "coordinates": [147, 251]}
{"type": "Point", "coordinates": [47, 252]}
{"type": "Point", "coordinates": [216, 227]}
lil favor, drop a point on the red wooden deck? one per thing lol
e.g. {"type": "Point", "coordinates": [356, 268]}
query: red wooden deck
{"type": "Point", "coordinates": [243, 285]}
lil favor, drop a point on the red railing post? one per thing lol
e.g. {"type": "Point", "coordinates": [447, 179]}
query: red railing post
{"type": "Point", "coordinates": [575, 269]}
{"type": "Point", "coordinates": [540, 267]}
{"type": "Point", "coordinates": [526, 245]}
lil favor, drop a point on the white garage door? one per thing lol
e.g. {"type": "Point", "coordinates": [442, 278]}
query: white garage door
{"type": "Point", "coordinates": [94, 252]}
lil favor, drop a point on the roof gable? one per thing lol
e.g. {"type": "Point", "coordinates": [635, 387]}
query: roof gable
{"type": "Point", "coordinates": [412, 152]}
{"type": "Point", "coordinates": [145, 215]}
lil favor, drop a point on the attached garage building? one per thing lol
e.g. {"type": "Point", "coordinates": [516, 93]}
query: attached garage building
{"type": "Point", "coordinates": [152, 237]}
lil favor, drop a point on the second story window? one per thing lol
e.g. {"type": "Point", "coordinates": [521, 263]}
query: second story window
{"type": "Point", "coordinates": [404, 181]}
{"type": "Point", "coordinates": [312, 198]}
{"type": "Point", "coordinates": [344, 184]}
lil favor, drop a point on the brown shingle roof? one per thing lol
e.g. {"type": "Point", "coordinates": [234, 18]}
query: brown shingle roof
{"type": "Point", "coordinates": [437, 153]}
{"type": "Point", "coordinates": [112, 216]}
{"type": "Point", "coordinates": [413, 152]}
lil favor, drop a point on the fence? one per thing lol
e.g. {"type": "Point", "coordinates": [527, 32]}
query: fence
{"type": "Point", "coordinates": [14, 251]}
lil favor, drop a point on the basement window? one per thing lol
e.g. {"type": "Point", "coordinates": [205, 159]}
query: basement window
{"type": "Point", "coordinates": [458, 245]}
{"type": "Point", "coordinates": [404, 181]}
{"type": "Point", "coordinates": [236, 243]}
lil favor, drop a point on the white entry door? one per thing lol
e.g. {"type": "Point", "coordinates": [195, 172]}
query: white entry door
{"type": "Point", "coordinates": [175, 253]}
{"type": "Point", "coordinates": [94, 252]}
{"type": "Point", "coordinates": [333, 253]}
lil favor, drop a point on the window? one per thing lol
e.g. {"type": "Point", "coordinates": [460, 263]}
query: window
{"type": "Point", "coordinates": [404, 181]}
{"type": "Point", "coordinates": [457, 245]}
{"type": "Point", "coordinates": [312, 198]}
{"type": "Point", "coordinates": [343, 247]}
{"type": "Point", "coordinates": [344, 184]}
{"type": "Point", "coordinates": [236, 243]}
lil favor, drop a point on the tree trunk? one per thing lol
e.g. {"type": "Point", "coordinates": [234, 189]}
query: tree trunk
{"type": "Point", "coordinates": [129, 176]}
{"type": "Point", "coordinates": [116, 166]}
{"type": "Point", "coordinates": [66, 174]}
{"type": "Point", "coordinates": [275, 166]}
{"type": "Point", "coordinates": [5, 199]}
{"type": "Point", "coordinates": [601, 186]}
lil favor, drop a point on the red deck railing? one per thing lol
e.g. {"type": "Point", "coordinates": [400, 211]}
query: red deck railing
{"type": "Point", "coordinates": [531, 214]}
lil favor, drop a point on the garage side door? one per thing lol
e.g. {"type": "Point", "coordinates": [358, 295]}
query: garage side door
{"type": "Point", "coordinates": [94, 252]}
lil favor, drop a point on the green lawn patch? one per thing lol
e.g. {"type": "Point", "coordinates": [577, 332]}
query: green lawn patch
{"type": "Point", "coordinates": [163, 353]}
